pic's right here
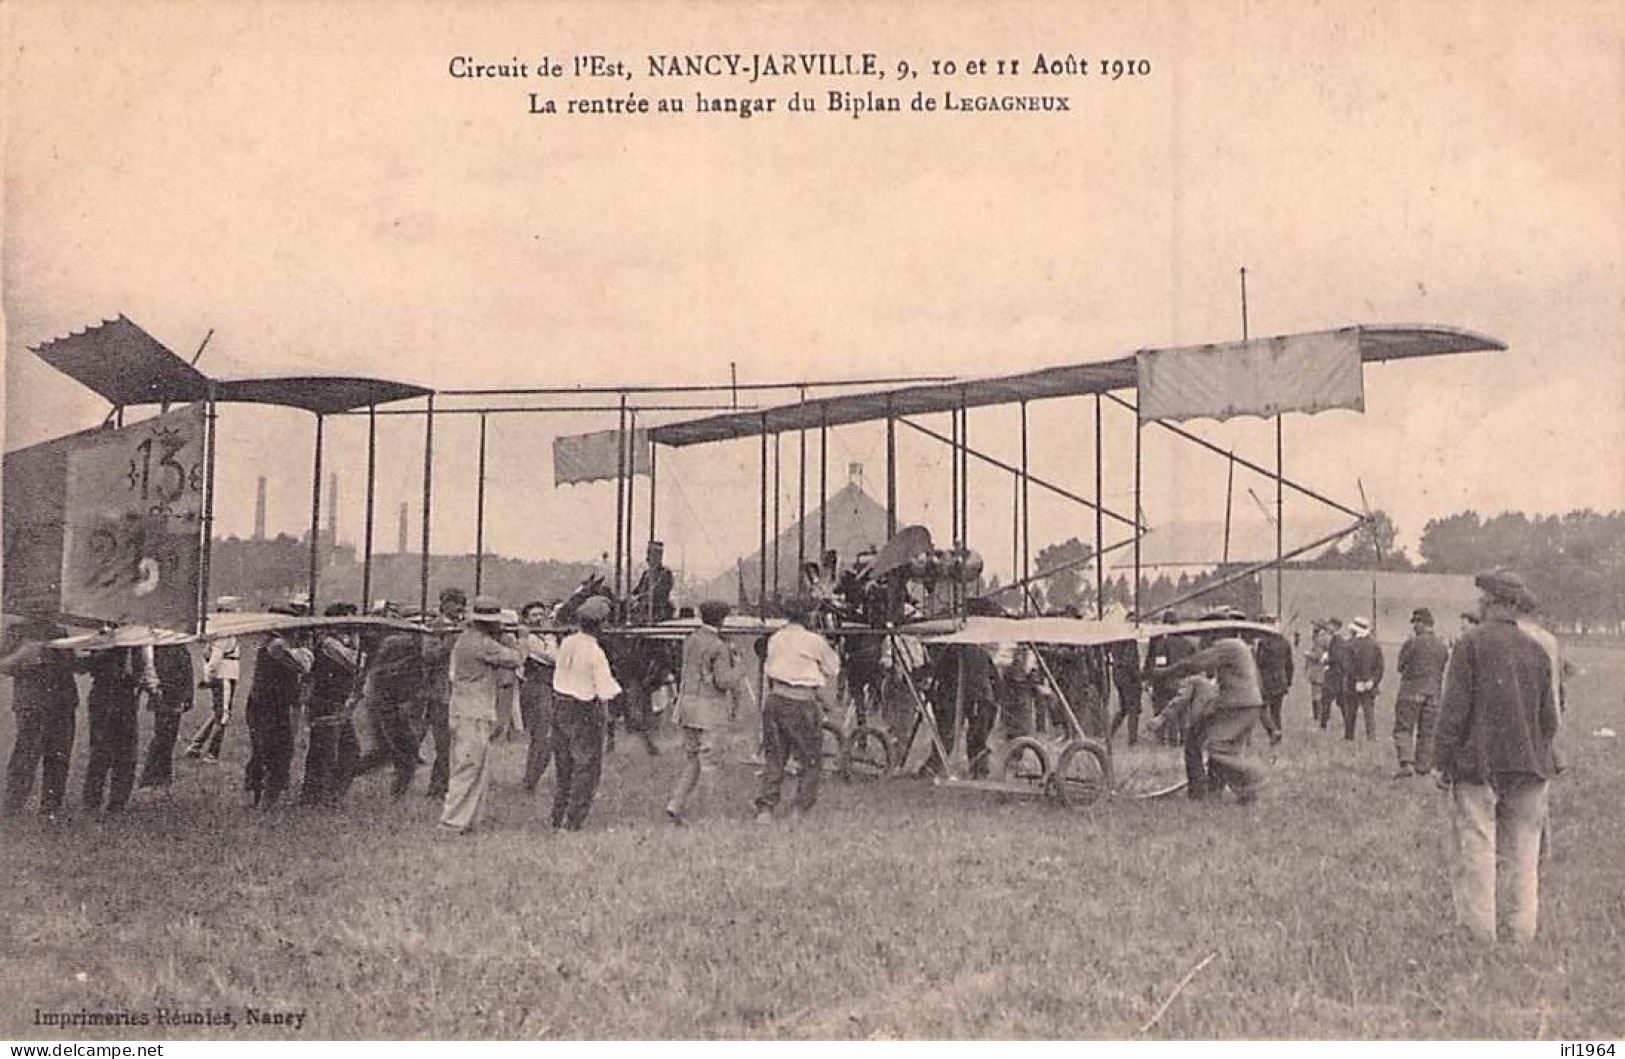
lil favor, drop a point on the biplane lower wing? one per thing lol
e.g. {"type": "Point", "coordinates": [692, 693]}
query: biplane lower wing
{"type": "Point", "coordinates": [1082, 632]}
{"type": "Point", "coordinates": [226, 625]}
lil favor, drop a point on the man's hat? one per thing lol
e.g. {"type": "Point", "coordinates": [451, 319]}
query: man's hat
{"type": "Point", "coordinates": [453, 594]}
{"type": "Point", "coordinates": [1504, 586]}
{"type": "Point", "coordinates": [486, 609]}
{"type": "Point", "coordinates": [1422, 615]}
{"type": "Point", "coordinates": [596, 608]}
{"type": "Point", "coordinates": [1361, 625]}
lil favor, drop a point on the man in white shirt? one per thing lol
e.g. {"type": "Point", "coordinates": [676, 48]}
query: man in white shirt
{"type": "Point", "coordinates": [220, 671]}
{"type": "Point", "coordinates": [582, 689]}
{"type": "Point", "coordinates": [802, 671]}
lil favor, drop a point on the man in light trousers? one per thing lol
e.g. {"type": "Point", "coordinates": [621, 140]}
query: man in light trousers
{"type": "Point", "coordinates": [705, 704]}
{"type": "Point", "coordinates": [479, 658]}
{"type": "Point", "coordinates": [1494, 754]}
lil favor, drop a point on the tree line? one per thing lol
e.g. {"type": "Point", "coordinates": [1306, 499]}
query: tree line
{"type": "Point", "coordinates": [1573, 563]}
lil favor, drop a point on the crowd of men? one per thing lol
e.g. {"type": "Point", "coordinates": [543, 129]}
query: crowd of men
{"type": "Point", "coordinates": [1482, 713]}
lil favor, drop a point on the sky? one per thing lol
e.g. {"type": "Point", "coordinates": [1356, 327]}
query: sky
{"type": "Point", "coordinates": [308, 183]}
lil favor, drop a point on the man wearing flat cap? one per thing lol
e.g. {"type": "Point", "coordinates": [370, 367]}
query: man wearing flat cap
{"type": "Point", "coordinates": [802, 671]}
{"type": "Point", "coordinates": [705, 704]}
{"type": "Point", "coordinates": [1494, 754]}
{"type": "Point", "coordinates": [481, 659]}
{"type": "Point", "coordinates": [583, 687]}
{"type": "Point", "coordinates": [1422, 659]}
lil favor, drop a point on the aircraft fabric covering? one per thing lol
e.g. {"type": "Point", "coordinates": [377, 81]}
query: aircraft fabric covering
{"type": "Point", "coordinates": [132, 525]}
{"type": "Point", "coordinates": [597, 456]}
{"type": "Point", "coordinates": [1262, 377]}
{"type": "Point", "coordinates": [35, 480]}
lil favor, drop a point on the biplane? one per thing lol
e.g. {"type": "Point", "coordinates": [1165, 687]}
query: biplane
{"type": "Point", "coordinates": [138, 552]}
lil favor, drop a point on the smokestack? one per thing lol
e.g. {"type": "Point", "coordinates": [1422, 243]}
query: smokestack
{"type": "Point", "coordinates": [400, 535]}
{"type": "Point", "coordinates": [259, 510]}
{"type": "Point", "coordinates": [332, 510]}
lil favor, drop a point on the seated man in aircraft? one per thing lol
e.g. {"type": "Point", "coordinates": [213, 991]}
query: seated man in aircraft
{"type": "Point", "coordinates": [651, 597]}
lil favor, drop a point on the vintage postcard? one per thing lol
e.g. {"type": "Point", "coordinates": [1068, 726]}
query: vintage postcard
{"type": "Point", "coordinates": [689, 520]}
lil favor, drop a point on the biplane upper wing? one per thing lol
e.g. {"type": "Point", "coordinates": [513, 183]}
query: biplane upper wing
{"type": "Point", "coordinates": [1369, 342]}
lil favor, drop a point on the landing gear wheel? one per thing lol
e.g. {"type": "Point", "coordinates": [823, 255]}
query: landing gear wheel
{"type": "Point", "coordinates": [1083, 775]}
{"type": "Point", "coordinates": [1025, 760]}
{"type": "Point", "coordinates": [869, 754]}
{"type": "Point", "coordinates": [1147, 771]}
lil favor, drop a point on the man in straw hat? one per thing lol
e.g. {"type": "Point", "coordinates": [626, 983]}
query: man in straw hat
{"type": "Point", "coordinates": [1493, 751]}
{"type": "Point", "coordinates": [1362, 678]}
{"type": "Point", "coordinates": [480, 660]}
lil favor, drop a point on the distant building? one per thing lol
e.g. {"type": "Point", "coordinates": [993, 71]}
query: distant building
{"type": "Point", "coordinates": [853, 521]}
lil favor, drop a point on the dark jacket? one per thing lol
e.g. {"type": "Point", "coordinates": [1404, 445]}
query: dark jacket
{"type": "Point", "coordinates": [1163, 653]}
{"type": "Point", "coordinates": [175, 678]}
{"type": "Point", "coordinates": [41, 679]}
{"type": "Point", "coordinates": [1337, 663]}
{"type": "Point", "coordinates": [1125, 658]}
{"type": "Point", "coordinates": [1364, 662]}
{"type": "Point", "coordinates": [396, 672]}
{"type": "Point", "coordinates": [332, 676]}
{"type": "Point", "coordinates": [981, 676]}
{"type": "Point", "coordinates": [279, 677]}
{"type": "Point", "coordinates": [116, 677]}
{"type": "Point", "coordinates": [1275, 668]}
{"type": "Point", "coordinates": [1421, 665]}
{"type": "Point", "coordinates": [1499, 716]}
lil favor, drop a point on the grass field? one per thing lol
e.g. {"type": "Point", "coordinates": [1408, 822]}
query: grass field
{"type": "Point", "coordinates": [895, 910]}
